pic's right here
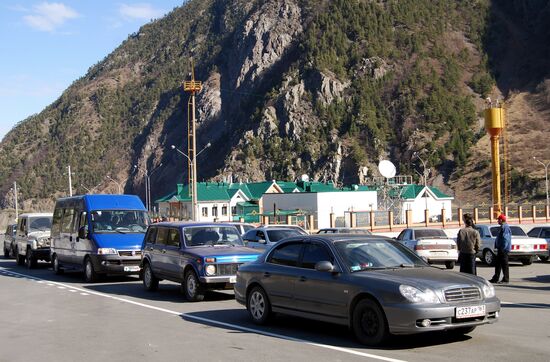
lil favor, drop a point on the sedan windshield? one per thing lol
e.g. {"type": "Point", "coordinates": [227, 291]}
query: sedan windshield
{"type": "Point", "coordinates": [119, 221]}
{"type": "Point", "coordinates": [212, 235]}
{"type": "Point", "coordinates": [361, 255]}
{"type": "Point", "coordinates": [40, 223]}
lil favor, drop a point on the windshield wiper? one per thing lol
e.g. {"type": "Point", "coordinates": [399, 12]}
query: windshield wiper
{"type": "Point", "coordinates": [404, 265]}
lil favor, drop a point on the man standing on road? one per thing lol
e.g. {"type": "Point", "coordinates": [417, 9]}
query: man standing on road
{"type": "Point", "coordinates": [468, 242]}
{"type": "Point", "coordinates": [503, 244]}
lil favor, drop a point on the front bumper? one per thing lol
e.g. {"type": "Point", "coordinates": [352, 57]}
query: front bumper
{"type": "Point", "coordinates": [218, 279]}
{"type": "Point", "coordinates": [115, 264]}
{"type": "Point", "coordinates": [405, 318]}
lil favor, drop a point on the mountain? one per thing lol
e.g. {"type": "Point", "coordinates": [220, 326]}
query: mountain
{"type": "Point", "coordinates": [319, 87]}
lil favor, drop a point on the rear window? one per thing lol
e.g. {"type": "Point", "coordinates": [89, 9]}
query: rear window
{"type": "Point", "coordinates": [430, 233]}
{"type": "Point", "coordinates": [276, 235]}
{"type": "Point", "coordinates": [516, 231]}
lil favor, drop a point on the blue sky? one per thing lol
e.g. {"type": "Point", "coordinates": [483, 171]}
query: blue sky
{"type": "Point", "coordinates": [46, 45]}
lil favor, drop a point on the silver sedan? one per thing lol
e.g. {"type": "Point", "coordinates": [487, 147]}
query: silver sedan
{"type": "Point", "coordinates": [372, 284]}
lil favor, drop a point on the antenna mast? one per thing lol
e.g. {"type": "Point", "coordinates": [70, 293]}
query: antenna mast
{"type": "Point", "coordinates": [192, 87]}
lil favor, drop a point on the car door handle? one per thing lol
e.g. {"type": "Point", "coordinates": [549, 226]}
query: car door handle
{"type": "Point", "coordinates": [267, 275]}
{"type": "Point", "coordinates": [302, 279]}
{"type": "Point", "coordinates": [163, 251]}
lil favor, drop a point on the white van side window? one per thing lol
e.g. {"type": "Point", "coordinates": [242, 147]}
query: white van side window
{"type": "Point", "coordinates": [56, 222]}
{"type": "Point", "coordinates": [67, 225]}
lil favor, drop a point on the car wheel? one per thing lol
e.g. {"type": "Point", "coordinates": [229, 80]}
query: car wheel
{"type": "Point", "coordinates": [369, 323]}
{"type": "Point", "coordinates": [527, 261]}
{"type": "Point", "coordinates": [258, 306]}
{"type": "Point", "coordinates": [449, 264]}
{"type": "Point", "coordinates": [489, 257]}
{"type": "Point", "coordinates": [90, 274]}
{"type": "Point", "coordinates": [192, 288]}
{"type": "Point", "coordinates": [543, 258]}
{"type": "Point", "coordinates": [6, 253]}
{"type": "Point", "coordinates": [20, 258]}
{"type": "Point", "coordinates": [30, 260]}
{"type": "Point", "coordinates": [150, 282]}
{"type": "Point", "coordinates": [55, 265]}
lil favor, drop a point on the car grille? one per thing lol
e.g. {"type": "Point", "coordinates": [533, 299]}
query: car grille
{"type": "Point", "coordinates": [462, 294]}
{"type": "Point", "coordinates": [227, 269]}
{"type": "Point", "coordinates": [129, 253]}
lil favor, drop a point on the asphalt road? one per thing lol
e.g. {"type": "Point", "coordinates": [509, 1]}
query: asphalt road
{"type": "Point", "coordinates": [45, 317]}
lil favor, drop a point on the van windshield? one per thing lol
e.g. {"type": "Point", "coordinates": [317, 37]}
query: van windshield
{"type": "Point", "coordinates": [119, 221]}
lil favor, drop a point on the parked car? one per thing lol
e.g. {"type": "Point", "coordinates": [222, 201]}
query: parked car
{"type": "Point", "coordinates": [341, 230]}
{"type": "Point", "coordinates": [431, 244]}
{"type": "Point", "coordinates": [543, 233]}
{"type": "Point", "coordinates": [524, 248]}
{"type": "Point", "coordinates": [298, 228]}
{"type": "Point", "coordinates": [99, 234]}
{"type": "Point", "coordinates": [243, 227]}
{"type": "Point", "coordinates": [9, 240]}
{"type": "Point", "coordinates": [200, 256]}
{"type": "Point", "coordinates": [265, 237]}
{"type": "Point", "coordinates": [372, 284]}
{"type": "Point", "coordinates": [32, 239]}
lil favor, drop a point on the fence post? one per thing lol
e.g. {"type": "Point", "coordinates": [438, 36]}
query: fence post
{"type": "Point", "coordinates": [352, 219]}
{"type": "Point", "coordinates": [289, 219]}
{"type": "Point", "coordinates": [491, 214]}
{"type": "Point", "coordinates": [371, 220]}
{"type": "Point", "coordinates": [390, 221]}
{"type": "Point", "coordinates": [408, 215]}
{"type": "Point", "coordinates": [547, 213]}
{"type": "Point", "coordinates": [426, 217]}
{"type": "Point", "coordinates": [506, 211]}
{"type": "Point", "coordinates": [265, 220]}
{"type": "Point", "coordinates": [459, 217]}
{"type": "Point", "coordinates": [534, 211]}
{"type": "Point", "coordinates": [476, 215]}
{"type": "Point", "coordinates": [332, 220]}
{"type": "Point", "coordinates": [519, 214]}
{"type": "Point", "coordinates": [311, 221]}
{"type": "Point", "coordinates": [241, 219]}
{"type": "Point", "coordinates": [443, 217]}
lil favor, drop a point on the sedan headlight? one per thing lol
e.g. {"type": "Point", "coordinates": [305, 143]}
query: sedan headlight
{"type": "Point", "coordinates": [33, 244]}
{"type": "Point", "coordinates": [416, 295]}
{"type": "Point", "coordinates": [210, 269]}
{"type": "Point", "coordinates": [488, 290]}
{"type": "Point", "coordinates": [106, 251]}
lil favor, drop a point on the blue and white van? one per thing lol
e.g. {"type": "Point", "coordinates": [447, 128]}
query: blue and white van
{"type": "Point", "coordinates": [99, 234]}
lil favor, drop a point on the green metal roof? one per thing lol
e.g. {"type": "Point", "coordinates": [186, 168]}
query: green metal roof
{"type": "Point", "coordinates": [412, 192]}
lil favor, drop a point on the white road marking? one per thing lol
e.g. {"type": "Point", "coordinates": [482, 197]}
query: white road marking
{"type": "Point", "coordinates": [223, 324]}
{"type": "Point", "coordinates": [84, 294]}
{"type": "Point", "coordinates": [525, 305]}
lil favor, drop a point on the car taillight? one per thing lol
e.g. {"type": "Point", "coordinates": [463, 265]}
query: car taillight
{"type": "Point", "coordinates": [419, 247]}
{"type": "Point", "coordinates": [543, 246]}
{"type": "Point", "coordinates": [515, 247]}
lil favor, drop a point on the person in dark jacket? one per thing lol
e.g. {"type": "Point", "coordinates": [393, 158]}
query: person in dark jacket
{"type": "Point", "coordinates": [468, 242]}
{"type": "Point", "coordinates": [503, 244]}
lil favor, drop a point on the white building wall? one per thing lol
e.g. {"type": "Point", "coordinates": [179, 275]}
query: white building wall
{"type": "Point", "coordinates": [434, 206]}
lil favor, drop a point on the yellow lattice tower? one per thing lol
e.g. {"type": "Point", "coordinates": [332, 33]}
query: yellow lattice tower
{"type": "Point", "coordinates": [192, 86]}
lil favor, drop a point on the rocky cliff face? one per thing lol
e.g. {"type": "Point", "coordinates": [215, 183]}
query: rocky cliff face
{"type": "Point", "coordinates": [325, 88]}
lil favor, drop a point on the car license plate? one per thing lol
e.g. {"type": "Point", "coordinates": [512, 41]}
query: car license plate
{"type": "Point", "coordinates": [233, 279]}
{"type": "Point", "coordinates": [469, 312]}
{"type": "Point", "coordinates": [439, 253]}
{"type": "Point", "coordinates": [133, 268]}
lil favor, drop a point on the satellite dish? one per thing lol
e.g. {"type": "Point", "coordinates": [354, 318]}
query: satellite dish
{"type": "Point", "coordinates": [386, 168]}
{"type": "Point", "coordinates": [304, 178]}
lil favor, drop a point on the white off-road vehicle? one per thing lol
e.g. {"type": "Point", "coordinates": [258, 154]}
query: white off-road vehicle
{"type": "Point", "coordinates": [32, 241]}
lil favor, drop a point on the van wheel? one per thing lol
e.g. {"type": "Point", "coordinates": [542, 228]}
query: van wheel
{"type": "Point", "coordinates": [90, 274]}
{"type": "Point", "coordinates": [20, 258]}
{"type": "Point", "coordinates": [30, 260]}
{"type": "Point", "coordinates": [150, 282]}
{"type": "Point", "coordinates": [192, 287]}
{"type": "Point", "coordinates": [55, 265]}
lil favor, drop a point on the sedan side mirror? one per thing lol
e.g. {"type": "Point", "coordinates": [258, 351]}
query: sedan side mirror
{"type": "Point", "coordinates": [324, 266]}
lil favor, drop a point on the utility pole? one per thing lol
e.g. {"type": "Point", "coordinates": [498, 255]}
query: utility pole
{"type": "Point", "coordinates": [15, 197]}
{"type": "Point", "coordinates": [545, 165]}
{"type": "Point", "coordinates": [70, 181]}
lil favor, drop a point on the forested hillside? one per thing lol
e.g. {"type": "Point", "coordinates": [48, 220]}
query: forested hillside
{"type": "Point", "coordinates": [325, 88]}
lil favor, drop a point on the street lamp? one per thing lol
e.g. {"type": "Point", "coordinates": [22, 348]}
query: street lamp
{"type": "Point", "coordinates": [14, 189]}
{"type": "Point", "coordinates": [193, 164]}
{"type": "Point", "coordinates": [117, 183]}
{"type": "Point", "coordinates": [545, 176]}
{"type": "Point", "coordinates": [148, 184]}
{"type": "Point", "coordinates": [425, 172]}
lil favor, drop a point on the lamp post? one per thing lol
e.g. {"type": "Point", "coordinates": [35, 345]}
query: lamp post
{"type": "Point", "coordinates": [148, 184]}
{"type": "Point", "coordinates": [425, 172]}
{"type": "Point", "coordinates": [15, 199]}
{"type": "Point", "coordinates": [70, 181]}
{"type": "Point", "coordinates": [545, 165]}
{"type": "Point", "coordinates": [194, 168]}
{"type": "Point", "coordinates": [117, 183]}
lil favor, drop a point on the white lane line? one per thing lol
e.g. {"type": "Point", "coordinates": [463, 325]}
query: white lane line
{"type": "Point", "coordinates": [60, 287]}
{"type": "Point", "coordinates": [525, 305]}
{"type": "Point", "coordinates": [84, 294]}
{"type": "Point", "coordinates": [72, 291]}
{"type": "Point", "coordinates": [232, 326]}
